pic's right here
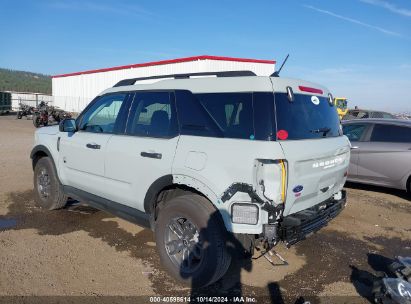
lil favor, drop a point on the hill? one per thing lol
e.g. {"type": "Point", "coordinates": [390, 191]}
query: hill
{"type": "Point", "coordinates": [21, 81]}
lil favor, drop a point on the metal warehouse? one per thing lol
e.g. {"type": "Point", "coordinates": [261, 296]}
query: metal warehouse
{"type": "Point", "coordinates": [72, 92]}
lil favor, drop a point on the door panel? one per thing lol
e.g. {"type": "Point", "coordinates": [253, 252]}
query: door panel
{"type": "Point", "coordinates": [82, 153]}
{"type": "Point", "coordinates": [146, 152]}
{"type": "Point", "coordinates": [355, 133]}
{"type": "Point", "coordinates": [386, 157]}
{"type": "Point", "coordinates": [82, 166]}
{"type": "Point", "coordinates": [129, 174]}
{"type": "Point", "coordinates": [383, 163]}
{"type": "Point", "coordinates": [353, 167]}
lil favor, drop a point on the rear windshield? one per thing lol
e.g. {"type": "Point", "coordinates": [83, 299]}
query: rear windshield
{"type": "Point", "coordinates": [341, 104]}
{"type": "Point", "coordinates": [306, 117]}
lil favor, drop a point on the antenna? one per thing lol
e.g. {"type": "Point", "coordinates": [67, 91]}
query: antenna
{"type": "Point", "coordinates": [277, 73]}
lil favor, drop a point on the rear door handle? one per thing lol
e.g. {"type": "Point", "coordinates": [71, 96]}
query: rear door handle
{"type": "Point", "coordinates": [93, 146]}
{"type": "Point", "coordinates": [151, 155]}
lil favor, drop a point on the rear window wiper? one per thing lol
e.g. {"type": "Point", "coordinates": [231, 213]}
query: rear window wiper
{"type": "Point", "coordinates": [321, 130]}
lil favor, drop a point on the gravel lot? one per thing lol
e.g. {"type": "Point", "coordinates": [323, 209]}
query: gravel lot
{"type": "Point", "coordinates": [79, 251]}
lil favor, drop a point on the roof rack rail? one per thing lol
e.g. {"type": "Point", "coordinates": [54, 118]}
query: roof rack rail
{"type": "Point", "coordinates": [131, 81]}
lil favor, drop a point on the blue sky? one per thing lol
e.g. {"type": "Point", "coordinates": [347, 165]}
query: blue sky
{"type": "Point", "coordinates": [360, 49]}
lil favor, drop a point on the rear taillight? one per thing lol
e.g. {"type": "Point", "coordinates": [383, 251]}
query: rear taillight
{"type": "Point", "coordinates": [310, 90]}
{"type": "Point", "coordinates": [283, 180]}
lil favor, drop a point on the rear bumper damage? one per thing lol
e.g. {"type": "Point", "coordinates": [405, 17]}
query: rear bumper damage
{"type": "Point", "coordinates": [298, 226]}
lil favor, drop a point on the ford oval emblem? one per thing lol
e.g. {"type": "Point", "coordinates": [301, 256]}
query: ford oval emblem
{"type": "Point", "coordinates": [298, 188]}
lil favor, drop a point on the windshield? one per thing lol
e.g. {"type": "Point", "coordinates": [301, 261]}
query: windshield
{"type": "Point", "coordinates": [341, 104]}
{"type": "Point", "coordinates": [306, 117]}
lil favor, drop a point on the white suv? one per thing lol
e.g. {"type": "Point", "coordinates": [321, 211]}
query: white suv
{"type": "Point", "coordinates": [199, 160]}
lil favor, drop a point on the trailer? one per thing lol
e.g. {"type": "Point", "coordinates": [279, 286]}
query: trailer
{"type": "Point", "coordinates": [5, 102]}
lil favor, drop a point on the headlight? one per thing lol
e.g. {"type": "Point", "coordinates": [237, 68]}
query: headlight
{"type": "Point", "coordinates": [244, 213]}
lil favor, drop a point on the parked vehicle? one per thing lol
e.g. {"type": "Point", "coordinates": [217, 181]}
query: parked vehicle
{"type": "Point", "coordinates": [58, 114]}
{"type": "Point", "coordinates": [381, 152]}
{"type": "Point", "coordinates": [25, 111]}
{"type": "Point", "coordinates": [359, 114]}
{"type": "Point", "coordinates": [48, 114]}
{"type": "Point", "coordinates": [5, 102]}
{"type": "Point", "coordinates": [41, 116]}
{"type": "Point", "coordinates": [341, 104]}
{"type": "Point", "coordinates": [200, 160]}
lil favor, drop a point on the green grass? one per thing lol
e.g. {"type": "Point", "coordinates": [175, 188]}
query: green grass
{"type": "Point", "coordinates": [21, 81]}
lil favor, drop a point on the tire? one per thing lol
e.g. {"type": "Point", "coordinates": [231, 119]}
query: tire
{"type": "Point", "coordinates": [36, 120]}
{"type": "Point", "coordinates": [48, 192]}
{"type": "Point", "coordinates": [19, 116]}
{"type": "Point", "coordinates": [213, 260]}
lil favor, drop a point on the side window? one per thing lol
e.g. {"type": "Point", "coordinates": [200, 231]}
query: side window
{"type": "Point", "coordinates": [391, 133]}
{"type": "Point", "coordinates": [232, 112]}
{"type": "Point", "coordinates": [354, 131]}
{"type": "Point", "coordinates": [205, 115]}
{"type": "Point", "coordinates": [152, 115]}
{"type": "Point", "coordinates": [102, 116]}
{"type": "Point", "coordinates": [193, 118]}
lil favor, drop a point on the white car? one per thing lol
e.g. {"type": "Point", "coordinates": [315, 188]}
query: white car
{"type": "Point", "coordinates": [200, 160]}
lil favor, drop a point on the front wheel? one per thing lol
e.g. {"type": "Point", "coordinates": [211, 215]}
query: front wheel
{"type": "Point", "coordinates": [36, 120]}
{"type": "Point", "coordinates": [48, 191]}
{"type": "Point", "coordinates": [191, 240]}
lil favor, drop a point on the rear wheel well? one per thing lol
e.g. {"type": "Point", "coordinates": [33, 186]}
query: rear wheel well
{"type": "Point", "coordinates": [170, 192]}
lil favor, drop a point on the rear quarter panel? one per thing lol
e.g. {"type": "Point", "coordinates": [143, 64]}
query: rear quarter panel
{"type": "Point", "coordinates": [211, 165]}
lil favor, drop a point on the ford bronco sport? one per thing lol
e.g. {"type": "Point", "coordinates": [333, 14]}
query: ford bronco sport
{"type": "Point", "coordinates": [199, 158]}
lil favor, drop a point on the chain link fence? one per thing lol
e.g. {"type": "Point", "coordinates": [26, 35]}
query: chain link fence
{"type": "Point", "coordinates": [68, 103]}
{"type": "Point", "coordinates": [30, 99]}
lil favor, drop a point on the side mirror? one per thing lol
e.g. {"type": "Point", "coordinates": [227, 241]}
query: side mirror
{"type": "Point", "coordinates": [68, 125]}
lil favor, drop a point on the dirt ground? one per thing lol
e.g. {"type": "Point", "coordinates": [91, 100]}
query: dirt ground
{"type": "Point", "coordinates": [79, 251]}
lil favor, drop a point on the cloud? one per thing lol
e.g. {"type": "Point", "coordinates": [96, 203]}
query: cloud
{"type": "Point", "coordinates": [389, 6]}
{"type": "Point", "coordinates": [355, 21]}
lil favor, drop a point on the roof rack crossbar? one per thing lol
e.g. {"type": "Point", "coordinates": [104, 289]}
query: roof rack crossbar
{"type": "Point", "coordinates": [131, 81]}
